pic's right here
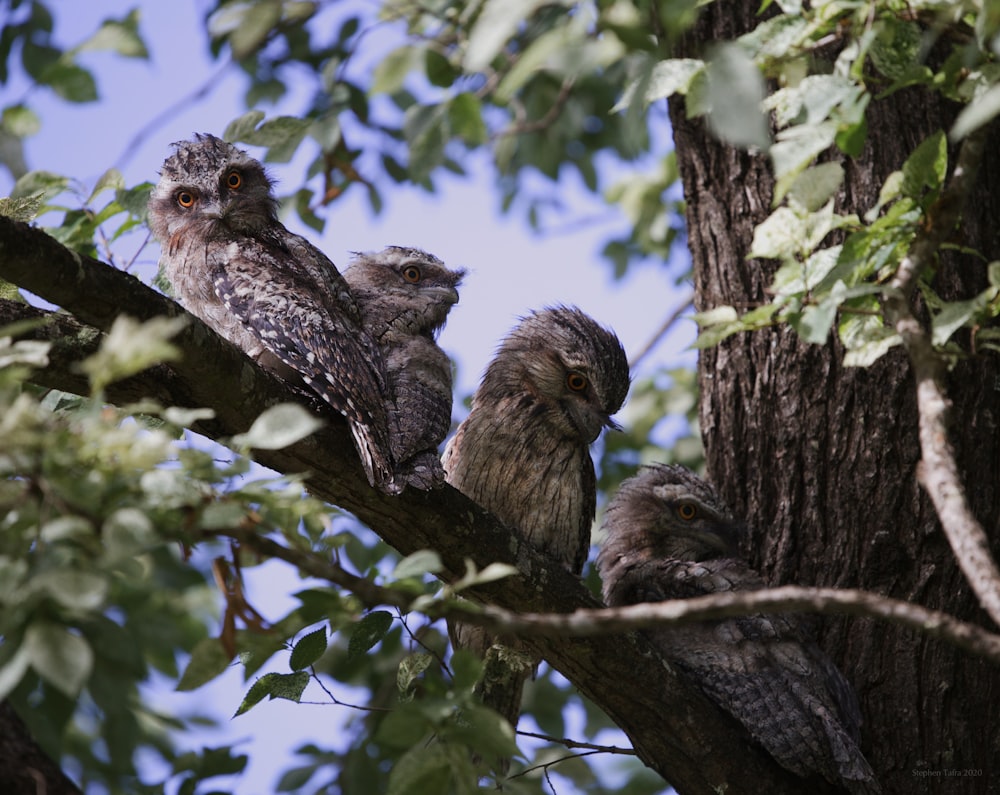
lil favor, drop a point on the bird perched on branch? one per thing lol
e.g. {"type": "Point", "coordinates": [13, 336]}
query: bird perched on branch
{"type": "Point", "coordinates": [270, 292]}
{"type": "Point", "coordinates": [669, 536]}
{"type": "Point", "coordinates": [522, 453]}
{"type": "Point", "coordinates": [405, 295]}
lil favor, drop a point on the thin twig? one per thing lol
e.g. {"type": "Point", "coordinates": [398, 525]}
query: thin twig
{"type": "Point", "coordinates": [938, 472]}
{"type": "Point", "coordinates": [160, 119]}
{"type": "Point", "coordinates": [672, 318]}
{"type": "Point", "coordinates": [604, 749]}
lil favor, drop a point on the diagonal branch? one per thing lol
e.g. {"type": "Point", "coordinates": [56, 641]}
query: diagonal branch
{"type": "Point", "coordinates": [674, 729]}
{"type": "Point", "coordinates": [938, 473]}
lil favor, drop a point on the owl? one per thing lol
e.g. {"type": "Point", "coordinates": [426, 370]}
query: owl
{"type": "Point", "coordinates": [669, 536]}
{"type": "Point", "coordinates": [404, 295]}
{"type": "Point", "coordinates": [270, 292]}
{"type": "Point", "coordinates": [522, 453]}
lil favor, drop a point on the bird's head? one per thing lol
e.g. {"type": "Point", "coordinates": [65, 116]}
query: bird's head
{"type": "Point", "coordinates": [210, 184]}
{"type": "Point", "coordinates": [670, 512]}
{"type": "Point", "coordinates": [571, 370]}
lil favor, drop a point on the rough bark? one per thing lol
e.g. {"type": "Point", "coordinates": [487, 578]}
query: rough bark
{"type": "Point", "coordinates": [25, 769]}
{"type": "Point", "coordinates": [674, 729]}
{"type": "Point", "coordinates": [823, 459]}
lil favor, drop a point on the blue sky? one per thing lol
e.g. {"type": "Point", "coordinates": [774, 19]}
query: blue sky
{"type": "Point", "coordinates": [511, 269]}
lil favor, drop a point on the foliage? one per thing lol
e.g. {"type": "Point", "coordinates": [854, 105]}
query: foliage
{"type": "Point", "coordinates": [826, 279]}
{"type": "Point", "coordinates": [106, 547]}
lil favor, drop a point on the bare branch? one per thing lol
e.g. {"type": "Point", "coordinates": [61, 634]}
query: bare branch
{"type": "Point", "coordinates": [938, 473]}
{"type": "Point", "coordinates": [667, 324]}
{"type": "Point", "coordinates": [599, 621]}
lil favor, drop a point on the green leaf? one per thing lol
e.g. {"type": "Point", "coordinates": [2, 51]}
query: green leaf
{"type": "Point", "coordinates": [440, 71]}
{"type": "Point", "coordinates": [34, 183]}
{"type": "Point", "coordinates": [368, 631]}
{"type": "Point", "coordinates": [778, 236]}
{"type": "Point", "coordinates": [287, 686]}
{"type": "Point", "coordinates": [13, 671]}
{"type": "Point", "coordinates": [466, 668]}
{"type": "Point", "coordinates": [423, 561]}
{"type": "Point", "coordinates": [24, 209]}
{"type": "Point", "coordinates": [111, 179]}
{"type": "Point", "coordinates": [955, 314]}
{"type": "Point", "coordinates": [208, 660]}
{"type": "Point", "coordinates": [243, 126]}
{"type": "Point", "coordinates": [278, 427]}
{"type": "Point", "coordinates": [119, 36]}
{"type": "Point", "coordinates": [411, 668]}
{"type": "Point", "coordinates": [815, 186]}
{"type": "Point", "coordinates": [484, 730]}
{"type": "Point", "coordinates": [866, 338]}
{"type": "Point", "coordinates": [496, 24]}
{"type": "Point", "coordinates": [795, 149]}
{"type": "Point", "coordinates": [281, 135]}
{"type": "Point", "coordinates": [20, 121]}
{"type": "Point", "coordinates": [926, 167]}
{"type": "Point", "coordinates": [61, 657]}
{"type": "Point", "coordinates": [813, 324]}
{"type": "Point", "coordinates": [308, 649]}
{"type": "Point", "coordinates": [130, 347]}
{"type": "Point", "coordinates": [423, 127]}
{"type": "Point", "coordinates": [71, 82]}
{"type": "Point", "coordinates": [666, 78]}
{"type": "Point", "coordinates": [73, 589]}
{"type": "Point", "coordinates": [978, 112]}
{"type": "Point", "coordinates": [494, 571]}
{"type": "Point", "coordinates": [896, 48]}
{"type": "Point", "coordinates": [736, 91]}
{"type": "Point", "coordinates": [850, 139]}
{"type": "Point", "coordinates": [465, 114]}
{"type": "Point", "coordinates": [394, 68]}
{"type": "Point", "coordinates": [403, 727]}
{"type": "Point", "coordinates": [256, 24]}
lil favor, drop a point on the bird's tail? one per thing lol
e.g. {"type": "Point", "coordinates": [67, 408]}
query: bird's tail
{"type": "Point", "coordinates": [376, 462]}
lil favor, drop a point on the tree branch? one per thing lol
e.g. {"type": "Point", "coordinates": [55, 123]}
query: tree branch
{"type": "Point", "coordinates": [673, 727]}
{"type": "Point", "coordinates": [938, 473]}
{"type": "Point", "coordinates": [588, 622]}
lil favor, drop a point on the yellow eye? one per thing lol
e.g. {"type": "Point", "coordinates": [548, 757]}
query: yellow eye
{"type": "Point", "coordinates": [185, 199]}
{"type": "Point", "coordinates": [234, 180]}
{"type": "Point", "coordinates": [412, 274]}
{"type": "Point", "coordinates": [576, 382]}
{"type": "Point", "coordinates": [687, 511]}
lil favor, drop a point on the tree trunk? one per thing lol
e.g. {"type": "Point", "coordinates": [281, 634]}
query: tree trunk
{"type": "Point", "coordinates": [822, 458]}
{"type": "Point", "coordinates": [25, 769]}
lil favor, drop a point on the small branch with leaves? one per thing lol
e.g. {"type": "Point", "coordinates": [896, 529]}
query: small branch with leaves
{"type": "Point", "coordinates": [938, 473]}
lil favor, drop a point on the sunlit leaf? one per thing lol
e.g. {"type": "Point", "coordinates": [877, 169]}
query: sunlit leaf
{"type": "Point", "coordinates": [62, 658]}
{"type": "Point", "coordinates": [736, 91]}
{"type": "Point", "coordinates": [208, 660]}
{"type": "Point", "coordinates": [278, 427]}
{"type": "Point", "coordinates": [423, 561]}
{"type": "Point", "coordinates": [495, 25]}
{"type": "Point", "coordinates": [119, 36]}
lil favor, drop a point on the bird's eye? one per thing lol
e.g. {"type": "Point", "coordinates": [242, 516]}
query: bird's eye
{"type": "Point", "coordinates": [234, 180]}
{"type": "Point", "coordinates": [687, 511]}
{"type": "Point", "coordinates": [576, 382]}
{"type": "Point", "coordinates": [412, 274]}
{"type": "Point", "coordinates": [185, 199]}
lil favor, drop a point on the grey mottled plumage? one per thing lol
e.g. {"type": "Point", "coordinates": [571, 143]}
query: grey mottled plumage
{"type": "Point", "coordinates": [669, 536]}
{"type": "Point", "coordinates": [270, 292]}
{"type": "Point", "coordinates": [405, 295]}
{"type": "Point", "coordinates": [522, 453]}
